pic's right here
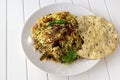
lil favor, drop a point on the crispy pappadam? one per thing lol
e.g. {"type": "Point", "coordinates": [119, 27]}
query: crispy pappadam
{"type": "Point", "coordinates": [99, 35]}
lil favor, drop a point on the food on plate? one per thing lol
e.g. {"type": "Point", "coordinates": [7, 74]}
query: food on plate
{"type": "Point", "coordinates": [99, 35]}
{"type": "Point", "coordinates": [57, 38]}
{"type": "Point", "coordinates": [63, 37]}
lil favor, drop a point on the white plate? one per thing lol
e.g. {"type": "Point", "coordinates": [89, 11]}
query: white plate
{"type": "Point", "coordinates": [79, 66]}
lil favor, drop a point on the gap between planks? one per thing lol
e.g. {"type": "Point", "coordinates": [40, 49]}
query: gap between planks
{"type": "Point", "coordinates": [24, 23]}
{"type": "Point", "coordinates": [111, 21]}
{"type": "Point", "coordinates": [6, 39]}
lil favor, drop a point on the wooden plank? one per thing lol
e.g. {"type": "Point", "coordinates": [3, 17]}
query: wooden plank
{"type": "Point", "coordinates": [34, 73]}
{"type": "Point", "coordinates": [64, 1]}
{"type": "Point", "coordinates": [46, 2]}
{"type": "Point", "coordinates": [83, 76]}
{"type": "Point", "coordinates": [99, 72]}
{"type": "Point", "coordinates": [16, 66]}
{"type": "Point", "coordinates": [31, 6]}
{"type": "Point", "coordinates": [99, 8]}
{"type": "Point", "coordinates": [113, 65]}
{"type": "Point", "coordinates": [113, 7]}
{"type": "Point", "coordinates": [83, 3]}
{"type": "Point", "coordinates": [113, 60]}
{"type": "Point", "coordinates": [54, 77]}
{"type": "Point", "coordinates": [3, 40]}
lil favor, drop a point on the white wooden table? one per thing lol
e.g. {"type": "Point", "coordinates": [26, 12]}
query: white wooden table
{"type": "Point", "coordinates": [13, 63]}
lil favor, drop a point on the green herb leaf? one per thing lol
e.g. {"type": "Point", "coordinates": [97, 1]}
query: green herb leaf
{"type": "Point", "coordinates": [57, 22]}
{"type": "Point", "coordinates": [69, 57]}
